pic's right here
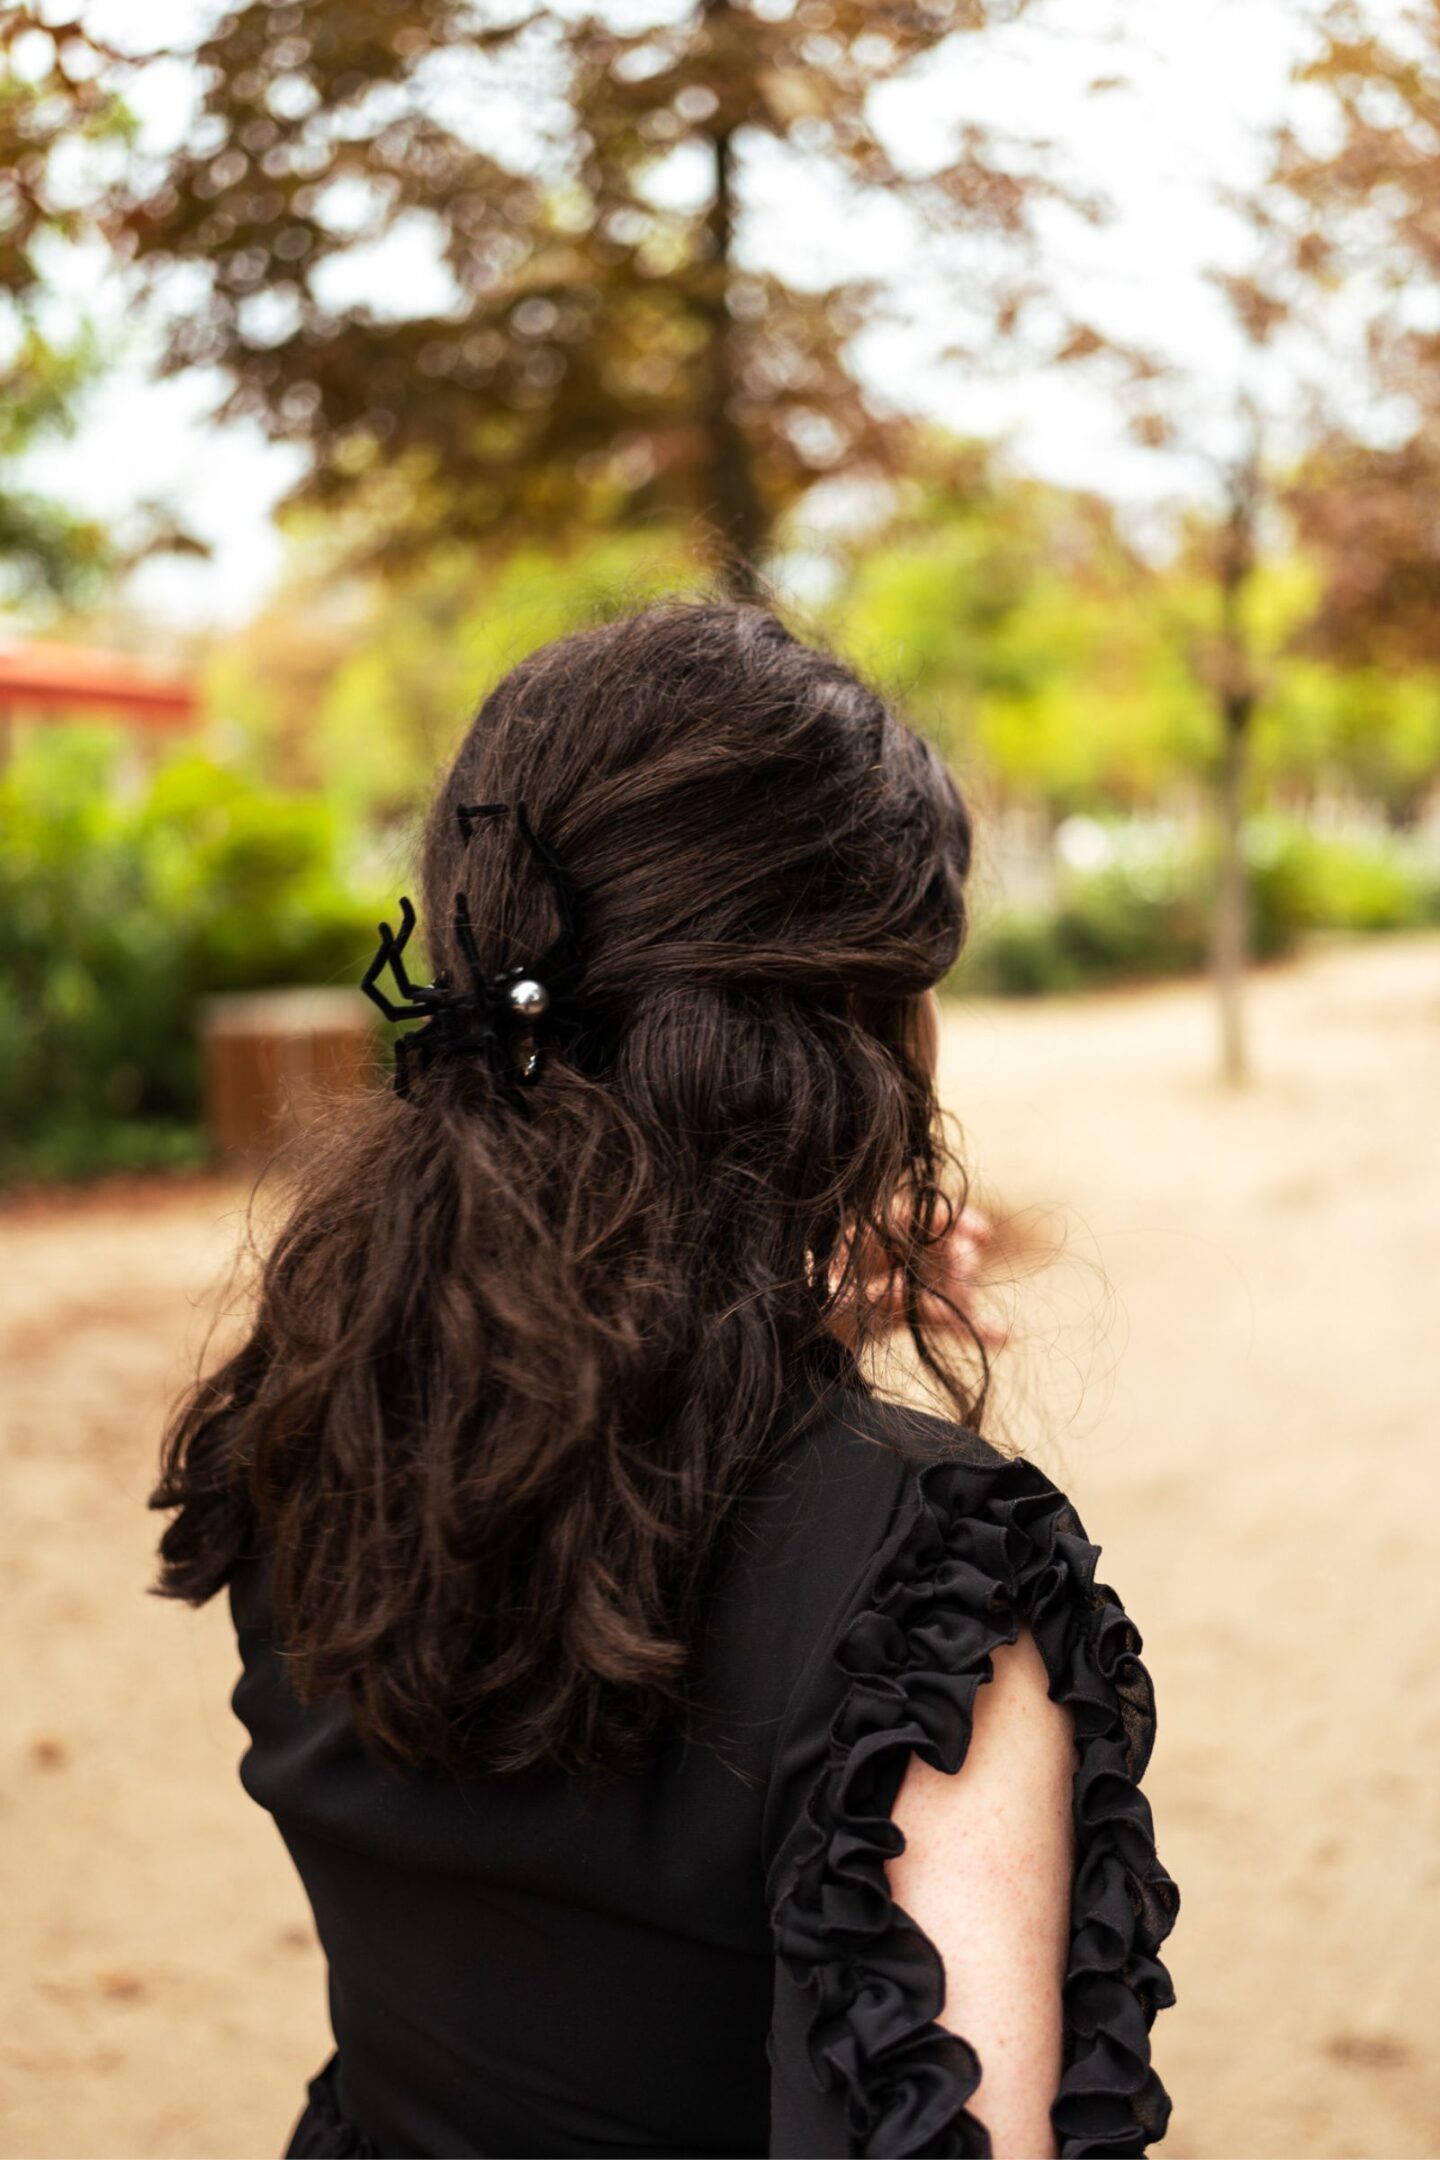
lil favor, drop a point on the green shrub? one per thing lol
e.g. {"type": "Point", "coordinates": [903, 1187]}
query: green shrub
{"type": "Point", "coordinates": [121, 913]}
{"type": "Point", "coordinates": [1146, 914]}
{"type": "Point", "coordinates": [1104, 929]}
{"type": "Point", "coordinates": [1316, 881]}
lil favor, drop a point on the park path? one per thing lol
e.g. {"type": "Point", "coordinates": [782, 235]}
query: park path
{"type": "Point", "coordinates": [1230, 1357]}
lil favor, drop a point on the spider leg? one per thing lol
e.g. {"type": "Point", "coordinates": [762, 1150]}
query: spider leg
{"type": "Point", "coordinates": [395, 947]}
{"type": "Point", "coordinates": [465, 939]}
{"type": "Point", "coordinates": [468, 815]}
{"type": "Point", "coordinates": [370, 982]}
{"type": "Point", "coordinates": [388, 955]}
{"type": "Point", "coordinates": [558, 882]}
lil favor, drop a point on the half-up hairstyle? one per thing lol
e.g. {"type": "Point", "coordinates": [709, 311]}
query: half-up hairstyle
{"type": "Point", "coordinates": [511, 1366]}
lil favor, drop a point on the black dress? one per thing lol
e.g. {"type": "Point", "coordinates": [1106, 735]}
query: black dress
{"type": "Point", "coordinates": [705, 1958]}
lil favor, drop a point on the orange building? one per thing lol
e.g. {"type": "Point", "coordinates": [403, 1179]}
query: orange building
{"type": "Point", "coordinates": [58, 682]}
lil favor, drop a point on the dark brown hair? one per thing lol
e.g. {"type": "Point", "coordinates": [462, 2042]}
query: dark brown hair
{"type": "Point", "coordinates": [511, 1367]}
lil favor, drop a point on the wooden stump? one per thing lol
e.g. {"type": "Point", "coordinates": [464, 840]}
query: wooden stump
{"type": "Point", "coordinates": [276, 1059]}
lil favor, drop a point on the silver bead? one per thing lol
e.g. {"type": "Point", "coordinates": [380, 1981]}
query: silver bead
{"type": "Point", "coordinates": [529, 1000]}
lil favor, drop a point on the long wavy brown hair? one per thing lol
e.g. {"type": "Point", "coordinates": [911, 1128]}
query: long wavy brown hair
{"type": "Point", "coordinates": [512, 1363]}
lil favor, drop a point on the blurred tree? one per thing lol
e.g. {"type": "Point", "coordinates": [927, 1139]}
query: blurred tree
{"type": "Point", "coordinates": [1353, 204]}
{"type": "Point", "coordinates": [1368, 733]}
{"type": "Point", "coordinates": [574, 195]}
{"type": "Point", "coordinates": [1370, 516]}
{"type": "Point", "coordinates": [1174, 408]}
{"type": "Point", "coordinates": [51, 102]}
{"type": "Point", "coordinates": [1235, 685]}
{"type": "Point", "coordinates": [360, 685]}
{"type": "Point", "coordinates": [1028, 635]}
{"type": "Point", "coordinates": [1063, 671]}
{"type": "Point", "coordinates": [63, 130]}
{"type": "Point", "coordinates": [46, 548]}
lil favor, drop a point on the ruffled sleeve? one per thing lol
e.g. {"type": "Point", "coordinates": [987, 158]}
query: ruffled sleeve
{"type": "Point", "coordinates": [860, 2062]}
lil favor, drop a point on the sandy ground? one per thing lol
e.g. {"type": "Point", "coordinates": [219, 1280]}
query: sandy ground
{"type": "Point", "coordinates": [1233, 1366]}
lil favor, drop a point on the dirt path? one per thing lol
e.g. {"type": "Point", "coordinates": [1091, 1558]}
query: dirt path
{"type": "Point", "coordinates": [1233, 1366]}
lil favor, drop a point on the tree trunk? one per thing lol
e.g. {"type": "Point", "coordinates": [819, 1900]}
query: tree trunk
{"type": "Point", "coordinates": [1232, 900]}
{"type": "Point", "coordinates": [1236, 699]}
{"type": "Point", "coordinates": [730, 502]}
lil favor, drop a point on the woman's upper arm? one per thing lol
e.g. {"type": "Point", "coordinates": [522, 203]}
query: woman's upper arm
{"type": "Point", "coordinates": [919, 2002]}
{"type": "Point", "coordinates": [986, 1873]}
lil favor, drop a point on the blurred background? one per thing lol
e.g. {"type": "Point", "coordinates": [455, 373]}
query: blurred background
{"type": "Point", "coordinates": [1074, 367]}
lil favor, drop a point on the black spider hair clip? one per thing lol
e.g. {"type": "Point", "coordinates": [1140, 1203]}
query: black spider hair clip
{"type": "Point", "coordinates": [494, 1016]}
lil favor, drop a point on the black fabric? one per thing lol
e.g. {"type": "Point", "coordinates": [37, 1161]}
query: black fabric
{"type": "Point", "coordinates": [705, 1959]}
{"type": "Point", "coordinates": [981, 1547]}
{"type": "Point", "coordinates": [322, 2132]}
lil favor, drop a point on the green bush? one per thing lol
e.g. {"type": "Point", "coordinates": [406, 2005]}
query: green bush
{"type": "Point", "coordinates": [122, 911]}
{"type": "Point", "coordinates": [1314, 881]}
{"type": "Point", "coordinates": [1104, 929]}
{"type": "Point", "coordinates": [1146, 914]}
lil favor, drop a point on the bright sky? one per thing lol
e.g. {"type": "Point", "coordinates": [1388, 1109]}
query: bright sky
{"type": "Point", "coordinates": [1204, 80]}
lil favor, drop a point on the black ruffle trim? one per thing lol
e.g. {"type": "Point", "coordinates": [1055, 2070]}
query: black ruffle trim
{"type": "Point", "coordinates": [994, 1545]}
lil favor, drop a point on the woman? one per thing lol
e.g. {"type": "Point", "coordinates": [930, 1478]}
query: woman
{"type": "Point", "coordinates": [609, 1647]}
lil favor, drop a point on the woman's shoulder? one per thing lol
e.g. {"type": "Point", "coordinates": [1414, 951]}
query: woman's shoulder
{"type": "Point", "coordinates": [849, 1465]}
{"type": "Point", "coordinates": [811, 1532]}
{"type": "Point", "coordinates": [833, 1483]}
{"type": "Point", "coordinates": [898, 1541]}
